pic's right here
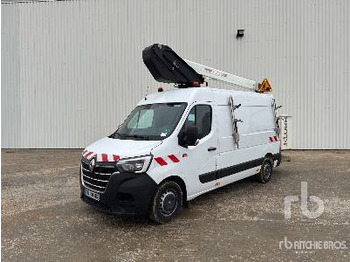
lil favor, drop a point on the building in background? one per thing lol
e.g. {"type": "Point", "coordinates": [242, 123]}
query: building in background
{"type": "Point", "coordinates": [72, 70]}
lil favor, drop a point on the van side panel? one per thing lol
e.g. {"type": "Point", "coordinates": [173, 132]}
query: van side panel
{"type": "Point", "coordinates": [257, 126]}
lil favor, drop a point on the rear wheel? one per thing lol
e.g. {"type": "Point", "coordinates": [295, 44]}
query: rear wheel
{"type": "Point", "coordinates": [265, 173]}
{"type": "Point", "coordinates": [167, 202]}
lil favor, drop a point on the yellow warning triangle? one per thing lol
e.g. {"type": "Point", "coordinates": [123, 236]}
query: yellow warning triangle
{"type": "Point", "coordinates": [264, 86]}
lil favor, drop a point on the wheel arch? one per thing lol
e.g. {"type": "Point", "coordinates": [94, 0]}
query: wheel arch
{"type": "Point", "coordinates": [181, 183]}
{"type": "Point", "coordinates": [269, 156]}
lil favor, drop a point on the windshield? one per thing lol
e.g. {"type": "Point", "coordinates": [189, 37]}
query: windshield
{"type": "Point", "coordinates": [151, 122]}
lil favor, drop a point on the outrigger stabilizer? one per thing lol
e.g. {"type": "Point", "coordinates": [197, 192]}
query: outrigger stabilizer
{"type": "Point", "coordinates": [167, 67]}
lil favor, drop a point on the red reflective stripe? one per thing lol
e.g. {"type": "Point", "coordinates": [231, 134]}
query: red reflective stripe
{"type": "Point", "coordinates": [87, 154]}
{"type": "Point", "coordinates": [116, 158]}
{"type": "Point", "coordinates": [160, 161]}
{"type": "Point", "coordinates": [275, 137]}
{"type": "Point", "coordinates": [271, 139]}
{"type": "Point", "coordinates": [104, 158]}
{"type": "Point", "coordinates": [174, 158]}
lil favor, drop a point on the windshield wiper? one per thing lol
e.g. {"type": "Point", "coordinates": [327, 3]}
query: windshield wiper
{"type": "Point", "coordinates": [115, 134]}
{"type": "Point", "coordinates": [138, 136]}
{"type": "Point", "coordinates": [125, 136]}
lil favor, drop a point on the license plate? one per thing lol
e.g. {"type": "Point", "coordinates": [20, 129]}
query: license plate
{"type": "Point", "coordinates": [92, 194]}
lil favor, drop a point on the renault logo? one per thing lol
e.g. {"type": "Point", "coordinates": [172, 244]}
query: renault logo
{"type": "Point", "coordinates": [92, 164]}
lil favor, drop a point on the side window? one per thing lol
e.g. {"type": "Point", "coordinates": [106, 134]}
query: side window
{"type": "Point", "coordinates": [200, 116]}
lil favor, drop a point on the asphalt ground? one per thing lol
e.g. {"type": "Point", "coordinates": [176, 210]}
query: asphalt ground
{"type": "Point", "coordinates": [43, 218]}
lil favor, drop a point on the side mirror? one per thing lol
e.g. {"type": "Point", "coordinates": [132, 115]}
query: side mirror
{"type": "Point", "coordinates": [189, 136]}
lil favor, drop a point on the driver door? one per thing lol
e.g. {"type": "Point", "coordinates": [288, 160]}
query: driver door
{"type": "Point", "coordinates": [199, 161]}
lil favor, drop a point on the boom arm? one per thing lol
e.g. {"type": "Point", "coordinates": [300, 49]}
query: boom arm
{"type": "Point", "coordinates": [222, 76]}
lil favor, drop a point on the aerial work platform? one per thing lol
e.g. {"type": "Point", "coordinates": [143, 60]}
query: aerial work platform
{"type": "Point", "coordinates": [168, 67]}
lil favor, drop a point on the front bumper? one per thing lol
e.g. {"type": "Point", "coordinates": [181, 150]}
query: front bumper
{"type": "Point", "coordinates": [125, 194]}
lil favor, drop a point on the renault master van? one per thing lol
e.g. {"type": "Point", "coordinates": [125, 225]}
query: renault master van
{"type": "Point", "coordinates": [178, 144]}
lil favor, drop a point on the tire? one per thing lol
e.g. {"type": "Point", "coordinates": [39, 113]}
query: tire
{"type": "Point", "coordinates": [265, 173]}
{"type": "Point", "coordinates": [167, 202]}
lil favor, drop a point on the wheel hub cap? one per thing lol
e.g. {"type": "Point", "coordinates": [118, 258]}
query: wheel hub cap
{"type": "Point", "coordinates": [168, 203]}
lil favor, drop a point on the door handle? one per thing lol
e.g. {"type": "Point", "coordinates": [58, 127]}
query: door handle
{"type": "Point", "coordinates": [211, 148]}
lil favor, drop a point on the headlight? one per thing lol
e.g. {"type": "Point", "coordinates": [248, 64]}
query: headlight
{"type": "Point", "coordinates": [135, 165]}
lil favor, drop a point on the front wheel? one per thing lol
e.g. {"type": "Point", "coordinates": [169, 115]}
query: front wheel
{"type": "Point", "coordinates": [265, 173]}
{"type": "Point", "coordinates": [167, 202]}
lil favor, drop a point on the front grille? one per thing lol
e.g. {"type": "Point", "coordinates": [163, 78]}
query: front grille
{"type": "Point", "coordinates": [99, 178]}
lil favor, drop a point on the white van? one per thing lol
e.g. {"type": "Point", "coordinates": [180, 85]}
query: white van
{"type": "Point", "coordinates": [178, 144]}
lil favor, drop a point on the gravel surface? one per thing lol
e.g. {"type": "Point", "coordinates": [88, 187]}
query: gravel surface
{"type": "Point", "coordinates": [43, 218]}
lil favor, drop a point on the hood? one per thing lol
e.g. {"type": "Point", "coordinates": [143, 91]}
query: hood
{"type": "Point", "coordinates": [118, 148]}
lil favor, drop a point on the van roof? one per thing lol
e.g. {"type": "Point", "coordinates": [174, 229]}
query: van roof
{"type": "Point", "coordinates": [197, 94]}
